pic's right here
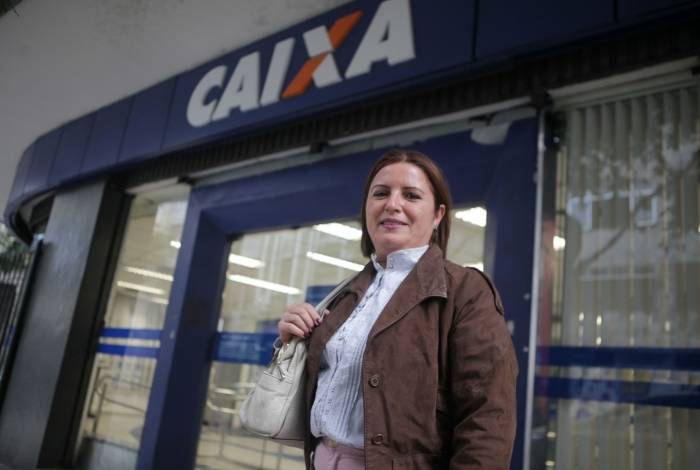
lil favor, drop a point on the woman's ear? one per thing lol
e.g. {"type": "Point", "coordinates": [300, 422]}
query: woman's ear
{"type": "Point", "coordinates": [439, 214]}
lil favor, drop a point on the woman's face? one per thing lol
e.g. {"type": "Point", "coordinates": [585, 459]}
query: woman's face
{"type": "Point", "coordinates": [400, 209]}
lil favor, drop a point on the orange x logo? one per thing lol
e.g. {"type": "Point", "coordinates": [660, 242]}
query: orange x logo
{"type": "Point", "coordinates": [337, 34]}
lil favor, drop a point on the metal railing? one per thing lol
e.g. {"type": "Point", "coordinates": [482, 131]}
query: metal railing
{"type": "Point", "coordinates": [234, 397]}
{"type": "Point", "coordinates": [101, 393]}
{"type": "Point", "coordinates": [17, 267]}
{"type": "Point", "coordinates": [222, 401]}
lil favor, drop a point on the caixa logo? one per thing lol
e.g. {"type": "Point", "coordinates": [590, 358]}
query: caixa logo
{"type": "Point", "coordinates": [389, 38]}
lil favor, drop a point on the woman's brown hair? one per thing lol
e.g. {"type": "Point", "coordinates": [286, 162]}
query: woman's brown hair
{"type": "Point", "coordinates": [438, 183]}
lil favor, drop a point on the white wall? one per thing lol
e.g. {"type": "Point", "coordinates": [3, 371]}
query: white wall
{"type": "Point", "coordinates": [61, 59]}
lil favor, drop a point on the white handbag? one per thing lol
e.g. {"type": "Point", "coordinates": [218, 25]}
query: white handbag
{"type": "Point", "coordinates": [275, 407]}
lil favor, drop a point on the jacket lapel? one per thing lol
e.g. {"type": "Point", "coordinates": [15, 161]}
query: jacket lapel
{"type": "Point", "coordinates": [426, 279]}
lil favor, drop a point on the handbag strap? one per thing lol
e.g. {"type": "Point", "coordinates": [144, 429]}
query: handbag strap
{"type": "Point", "coordinates": [321, 307]}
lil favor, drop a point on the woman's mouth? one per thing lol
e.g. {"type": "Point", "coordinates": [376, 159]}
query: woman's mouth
{"type": "Point", "coordinates": [391, 223]}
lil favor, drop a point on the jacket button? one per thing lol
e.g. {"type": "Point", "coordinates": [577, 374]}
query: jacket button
{"type": "Point", "coordinates": [374, 381]}
{"type": "Point", "coordinates": [378, 439]}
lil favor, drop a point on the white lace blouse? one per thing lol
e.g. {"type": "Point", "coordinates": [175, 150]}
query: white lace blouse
{"type": "Point", "coordinates": [337, 412]}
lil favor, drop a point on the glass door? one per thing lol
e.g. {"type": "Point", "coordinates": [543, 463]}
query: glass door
{"type": "Point", "coordinates": [126, 356]}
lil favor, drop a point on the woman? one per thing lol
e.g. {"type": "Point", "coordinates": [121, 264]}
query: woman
{"type": "Point", "coordinates": [413, 367]}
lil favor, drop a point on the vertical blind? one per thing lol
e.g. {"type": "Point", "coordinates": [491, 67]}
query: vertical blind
{"type": "Point", "coordinates": [628, 273]}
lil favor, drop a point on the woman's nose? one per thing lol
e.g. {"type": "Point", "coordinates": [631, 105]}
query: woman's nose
{"type": "Point", "coordinates": [393, 202]}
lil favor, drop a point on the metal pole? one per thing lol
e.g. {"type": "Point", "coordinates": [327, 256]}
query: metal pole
{"type": "Point", "coordinates": [99, 407]}
{"type": "Point", "coordinates": [534, 305]}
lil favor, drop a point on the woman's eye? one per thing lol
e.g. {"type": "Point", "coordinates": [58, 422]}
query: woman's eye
{"type": "Point", "coordinates": [413, 196]}
{"type": "Point", "coordinates": [379, 194]}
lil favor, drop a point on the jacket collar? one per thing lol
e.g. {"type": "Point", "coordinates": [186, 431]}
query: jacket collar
{"type": "Point", "coordinates": [426, 279]}
{"type": "Point", "coordinates": [430, 273]}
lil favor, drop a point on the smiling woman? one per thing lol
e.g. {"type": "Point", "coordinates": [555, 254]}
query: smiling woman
{"type": "Point", "coordinates": [402, 210]}
{"type": "Point", "coordinates": [413, 364]}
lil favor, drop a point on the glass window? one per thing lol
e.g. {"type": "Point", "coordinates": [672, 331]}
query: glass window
{"type": "Point", "coordinates": [626, 275]}
{"type": "Point", "coordinates": [125, 362]}
{"type": "Point", "coordinates": [268, 271]}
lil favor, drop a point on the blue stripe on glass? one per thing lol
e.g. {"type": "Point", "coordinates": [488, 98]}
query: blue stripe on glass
{"type": "Point", "coordinates": [130, 333]}
{"type": "Point", "coordinates": [121, 350]}
{"type": "Point", "coordinates": [232, 347]}
{"type": "Point", "coordinates": [686, 359]}
{"type": "Point", "coordinates": [640, 393]}
{"type": "Point", "coordinates": [244, 348]}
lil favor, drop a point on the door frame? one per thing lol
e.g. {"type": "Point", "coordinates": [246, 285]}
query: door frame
{"type": "Point", "coordinates": [497, 173]}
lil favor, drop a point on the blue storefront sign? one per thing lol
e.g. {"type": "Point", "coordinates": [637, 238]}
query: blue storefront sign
{"type": "Point", "coordinates": [350, 53]}
{"type": "Point", "coordinates": [346, 53]}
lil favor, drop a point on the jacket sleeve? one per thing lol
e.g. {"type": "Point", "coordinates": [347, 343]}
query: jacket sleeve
{"type": "Point", "coordinates": [483, 371]}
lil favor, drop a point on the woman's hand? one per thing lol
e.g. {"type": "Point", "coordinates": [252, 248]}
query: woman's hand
{"type": "Point", "coordinates": [298, 320]}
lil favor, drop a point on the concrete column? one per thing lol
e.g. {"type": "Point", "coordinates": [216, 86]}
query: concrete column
{"type": "Point", "coordinates": [40, 415]}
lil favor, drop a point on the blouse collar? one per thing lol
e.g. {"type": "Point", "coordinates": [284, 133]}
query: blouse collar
{"type": "Point", "coordinates": [400, 260]}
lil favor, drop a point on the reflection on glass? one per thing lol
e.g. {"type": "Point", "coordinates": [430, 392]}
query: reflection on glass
{"type": "Point", "coordinates": [286, 266]}
{"type": "Point", "coordinates": [627, 271]}
{"type": "Point", "coordinates": [124, 366]}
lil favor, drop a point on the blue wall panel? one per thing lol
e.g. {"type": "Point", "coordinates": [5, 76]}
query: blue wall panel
{"type": "Point", "coordinates": [106, 136]}
{"type": "Point", "coordinates": [509, 242]}
{"type": "Point", "coordinates": [42, 161]}
{"type": "Point", "coordinates": [266, 201]}
{"type": "Point", "coordinates": [21, 173]}
{"type": "Point", "coordinates": [147, 120]}
{"type": "Point", "coordinates": [509, 25]}
{"type": "Point", "coordinates": [631, 8]}
{"type": "Point", "coordinates": [71, 150]}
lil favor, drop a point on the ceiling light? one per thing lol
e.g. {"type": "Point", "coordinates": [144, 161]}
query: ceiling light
{"type": "Point", "coordinates": [251, 281]}
{"type": "Point", "coordinates": [149, 273]}
{"type": "Point", "coordinates": [245, 261]}
{"type": "Point", "coordinates": [559, 243]}
{"type": "Point", "coordinates": [140, 288]}
{"type": "Point", "coordinates": [479, 266]}
{"type": "Point", "coordinates": [475, 216]}
{"type": "Point", "coordinates": [334, 261]}
{"type": "Point", "coordinates": [175, 244]}
{"type": "Point", "coordinates": [340, 230]}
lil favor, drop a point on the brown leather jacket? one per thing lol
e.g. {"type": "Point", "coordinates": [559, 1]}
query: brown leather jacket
{"type": "Point", "coordinates": [438, 373]}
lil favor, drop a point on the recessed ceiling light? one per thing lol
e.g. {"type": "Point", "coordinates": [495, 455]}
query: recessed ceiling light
{"type": "Point", "coordinates": [559, 243]}
{"type": "Point", "coordinates": [340, 230]}
{"type": "Point", "coordinates": [475, 216]}
{"type": "Point", "coordinates": [245, 261]}
{"type": "Point", "coordinates": [148, 273]}
{"type": "Point", "coordinates": [334, 261]}
{"type": "Point", "coordinates": [251, 281]}
{"type": "Point", "coordinates": [140, 288]}
{"type": "Point", "coordinates": [479, 266]}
